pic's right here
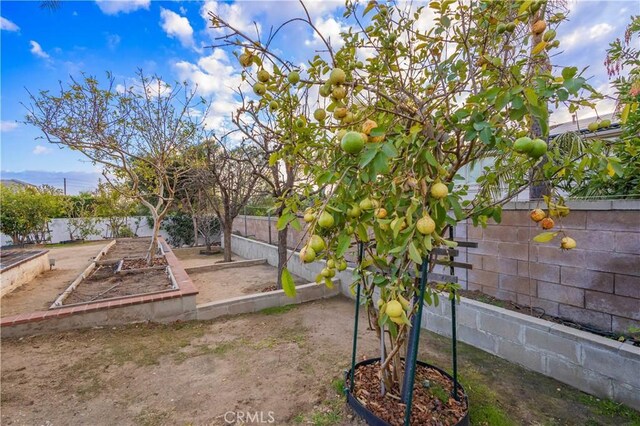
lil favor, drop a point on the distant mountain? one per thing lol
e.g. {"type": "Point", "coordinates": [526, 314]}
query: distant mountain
{"type": "Point", "coordinates": [76, 181]}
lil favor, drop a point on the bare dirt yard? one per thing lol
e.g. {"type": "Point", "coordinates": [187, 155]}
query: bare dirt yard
{"type": "Point", "coordinates": [221, 284]}
{"type": "Point", "coordinates": [41, 292]}
{"type": "Point", "coordinates": [191, 257]}
{"type": "Point", "coordinates": [233, 282]}
{"type": "Point", "coordinates": [288, 361]}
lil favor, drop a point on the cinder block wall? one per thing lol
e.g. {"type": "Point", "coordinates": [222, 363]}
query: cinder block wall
{"type": "Point", "coordinates": [598, 283]}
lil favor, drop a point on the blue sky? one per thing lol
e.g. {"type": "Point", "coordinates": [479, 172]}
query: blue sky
{"type": "Point", "coordinates": [40, 47]}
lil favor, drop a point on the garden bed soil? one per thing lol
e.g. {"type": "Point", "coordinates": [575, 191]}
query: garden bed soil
{"type": "Point", "coordinates": [227, 283]}
{"type": "Point", "coordinates": [128, 248]}
{"type": "Point", "coordinates": [141, 263]}
{"type": "Point", "coordinates": [39, 293]}
{"type": "Point", "coordinates": [432, 406]}
{"type": "Point", "coordinates": [289, 362]}
{"type": "Point", "coordinates": [105, 284]}
{"type": "Point", "coordinates": [540, 313]}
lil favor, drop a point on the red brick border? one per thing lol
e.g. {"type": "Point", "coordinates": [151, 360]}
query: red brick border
{"type": "Point", "coordinates": [185, 288]}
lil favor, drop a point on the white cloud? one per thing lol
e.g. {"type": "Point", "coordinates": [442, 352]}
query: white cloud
{"type": "Point", "coordinates": [113, 40]}
{"type": "Point", "coordinates": [177, 26]}
{"type": "Point", "coordinates": [41, 150]}
{"type": "Point", "coordinates": [216, 79]}
{"type": "Point", "coordinates": [7, 126]}
{"type": "Point", "coordinates": [7, 25]}
{"type": "Point", "coordinates": [579, 36]}
{"type": "Point", "coordinates": [330, 30]}
{"type": "Point", "coordinates": [36, 49]}
{"type": "Point", "coordinates": [235, 14]}
{"type": "Point", "coordinates": [113, 7]}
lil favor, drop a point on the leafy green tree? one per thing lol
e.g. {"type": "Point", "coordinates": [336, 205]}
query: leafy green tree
{"type": "Point", "coordinates": [616, 171]}
{"type": "Point", "coordinates": [27, 211]}
{"type": "Point", "coordinates": [384, 125]}
{"type": "Point", "coordinates": [115, 208]}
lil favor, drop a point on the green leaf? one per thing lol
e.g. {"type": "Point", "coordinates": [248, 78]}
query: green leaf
{"type": "Point", "coordinates": [343, 245]}
{"type": "Point", "coordinates": [414, 254]}
{"type": "Point", "coordinates": [367, 9]}
{"type": "Point", "coordinates": [544, 237]}
{"type": "Point", "coordinates": [284, 220]}
{"type": "Point", "coordinates": [524, 6]}
{"type": "Point", "coordinates": [328, 282]}
{"type": "Point", "coordinates": [367, 156]}
{"type": "Point", "coordinates": [287, 283]}
{"type": "Point", "coordinates": [295, 224]}
{"type": "Point", "coordinates": [361, 231]}
{"type": "Point", "coordinates": [378, 131]}
{"type": "Point", "coordinates": [390, 149]}
{"type": "Point", "coordinates": [569, 72]}
{"type": "Point", "coordinates": [531, 96]}
{"type": "Point", "coordinates": [457, 210]}
{"type": "Point", "coordinates": [430, 158]}
{"type": "Point", "coordinates": [539, 47]}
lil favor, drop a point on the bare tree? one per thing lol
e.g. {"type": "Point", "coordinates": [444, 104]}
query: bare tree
{"type": "Point", "coordinates": [137, 133]}
{"type": "Point", "coordinates": [226, 178]}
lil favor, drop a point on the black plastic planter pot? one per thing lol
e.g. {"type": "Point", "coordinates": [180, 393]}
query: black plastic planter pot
{"type": "Point", "coordinates": [372, 419]}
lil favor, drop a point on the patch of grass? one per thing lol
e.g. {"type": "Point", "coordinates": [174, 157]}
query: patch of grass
{"type": "Point", "coordinates": [484, 409]}
{"type": "Point", "coordinates": [331, 412]}
{"type": "Point", "coordinates": [439, 392]}
{"type": "Point", "coordinates": [298, 418]}
{"type": "Point", "coordinates": [276, 310]}
{"type": "Point", "coordinates": [142, 345]}
{"type": "Point", "coordinates": [606, 407]}
{"type": "Point", "coordinates": [338, 385]}
{"type": "Point", "coordinates": [326, 418]}
{"type": "Point", "coordinates": [151, 417]}
{"type": "Point", "coordinates": [295, 334]}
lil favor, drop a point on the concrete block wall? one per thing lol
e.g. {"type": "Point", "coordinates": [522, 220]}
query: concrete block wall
{"type": "Point", "coordinates": [597, 284]}
{"type": "Point", "coordinates": [594, 364]}
{"type": "Point", "coordinates": [252, 249]}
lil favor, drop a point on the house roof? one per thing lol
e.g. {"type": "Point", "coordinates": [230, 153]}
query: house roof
{"type": "Point", "coordinates": [580, 126]}
{"type": "Point", "coordinates": [15, 182]}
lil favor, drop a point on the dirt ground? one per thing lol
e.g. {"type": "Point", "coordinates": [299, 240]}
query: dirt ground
{"type": "Point", "coordinates": [41, 292]}
{"type": "Point", "coordinates": [233, 282]}
{"type": "Point", "coordinates": [191, 257]}
{"type": "Point", "coordinates": [227, 283]}
{"type": "Point", "coordinates": [286, 363]}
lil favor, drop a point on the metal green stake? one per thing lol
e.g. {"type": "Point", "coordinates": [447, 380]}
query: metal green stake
{"type": "Point", "coordinates": [355, 329]}
{"type": "Point", "coordinates": [454, 342]}
{"type": "Point", "coordinates": [412, 355]}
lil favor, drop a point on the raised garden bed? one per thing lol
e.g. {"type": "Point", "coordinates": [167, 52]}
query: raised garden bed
{"type": "Point", "coordinates": [119, 271]}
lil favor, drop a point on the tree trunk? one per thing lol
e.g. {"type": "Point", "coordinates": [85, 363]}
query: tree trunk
{"type": "Point", "coordinates": [282, 253]}
{"type": "Point", "coordinates": [194, 220]}
{"type": "Point", "coordinates": [538, 186]}
{"type": "Point", "coordinates": [227, 229]}
{"type": "Point", "coordinates": [153, 247]}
